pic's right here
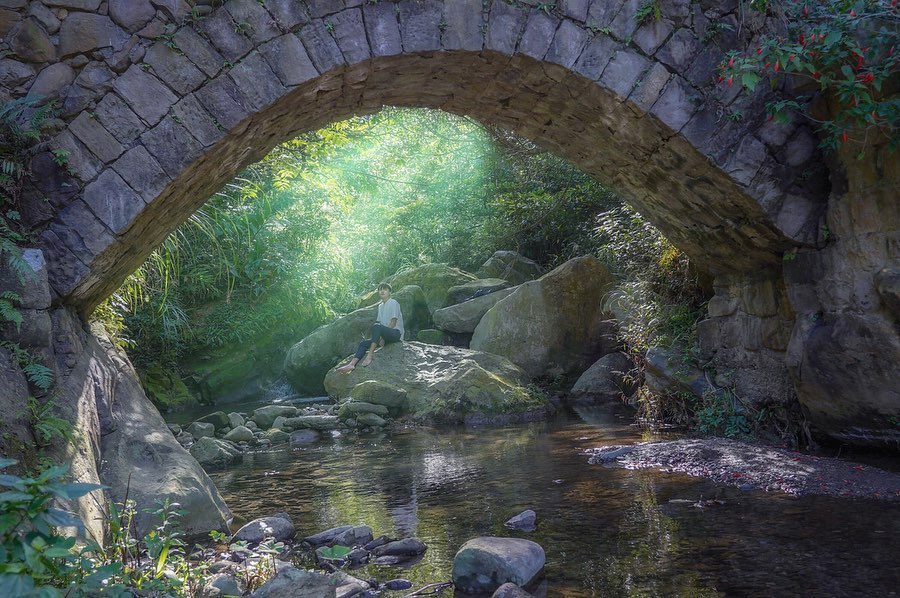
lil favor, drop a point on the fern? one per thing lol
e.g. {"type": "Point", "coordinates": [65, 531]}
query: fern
{"type": "Point", "coordinates": [46, 425]}
{"type": "Point", "coordinates": [39, 375]}
{"type": "Point", "coordinates": [8, 308]}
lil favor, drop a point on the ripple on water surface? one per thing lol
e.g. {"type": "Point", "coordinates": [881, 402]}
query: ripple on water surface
{"type": "Point", "coordinates": [606, 531]}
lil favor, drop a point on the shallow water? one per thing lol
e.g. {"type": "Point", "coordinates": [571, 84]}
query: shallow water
{"type": "Point", "coordinates": [606, 531]}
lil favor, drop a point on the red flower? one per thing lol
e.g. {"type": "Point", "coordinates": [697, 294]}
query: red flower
{"type": "Point", "coordinates": [731, 61]}
{"type": "Point", "coordinates": [844, 137]}
{"type": "Point", "coordinates": [730, 81]}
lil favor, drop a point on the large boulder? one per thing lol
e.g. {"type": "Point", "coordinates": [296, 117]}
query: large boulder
{"type": "Point", "coordinates": [464, 317]}
{"type": "Point", "coordinates": [554, 325]}
{"type": "Point", "coordinates": [607, 380]}
{"type": "Point", "coordinates": [484, 564]}
{"type": "Point", "coordinates": [308, 361]}
{"type": "Point", "coordinates": [379, 393]}
{"type": "Point", "coordinates": [213, 453]}
{"type": "Point", "coordinates": [510, 266]}
{"type": "Point", "coordinates": [479, 287]}
{"type": "Point", "coordinates": [444, 384]}
{"type": "Point", "coordinates": [434, 279]}
{"type": "Point", "coordinates": [666, 372]}
{"type": "Point", "coordinates": [291, 582]}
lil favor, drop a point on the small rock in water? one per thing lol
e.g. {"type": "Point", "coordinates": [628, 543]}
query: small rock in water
{"type": "Point", "coordinates": [358, 556]}
{"type": "Point", "coordinates": [524, 521]}
{"type": "Point", "coordinates": [404, 547]}
{"type": "Point", "coordinates": [379, 541]}
{"type": "Point", "coordinates": [266, 527]}
{"type": "Point", "coordinates": [388, 560]}
{"type": "Point", "coordinates": [510, 590]}
{"type": "Point", "coordinates": [326, 536]}
{"type": "Point", "coordinates": [398, 584]}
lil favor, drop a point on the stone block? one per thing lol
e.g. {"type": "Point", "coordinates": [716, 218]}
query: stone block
{"type": "Point", "coordinates": [31, 288]}
{"type": "Point", "coordinates": [464, 22]}
{"type": "Point", "coordinates": [320, 8]}
{"type": "Point", "coordinates": [88, 5]}
{"type": "Point", "coordinates": [174, 69]}
{"type": "Point", "coordinates": [746, 161]}
{"type": "Point", "coordinates": [198, 51]}
{"type": "Point", "coordinates": [51, 180]}
{"type": "Point", "coordinates": [115, 115]}
{"type": "Point", "coordinates": [703, 68]}
{"type": "Point", "coordinates": [680, 50]}
{"type": "Point", "coordinates": [44, 16]}
{"type": "Point", "coordinates": [32, 44]}
{"type": "Point", "coordinates": [575, 9]}
{"type": "Point", "coordinates": [113, 201]}
{"type": "Point", "coordinates": [505, 25]}
{"type": "Point", "coordinates": [172, 146]}
{"type": "Point", "coordinates": [220, 98]}
{"type": "Point", "coordinates": [623, 72]}
{"type": "Point", "coordinates": [196, 120]}
{"type": "Point", "coordinates": [649, 87]}
{"type": "Point", "coordinates": [596, 55]}
{"type": "Point", "coordinates": [80, 161]}
{"type": "Point", "coordinates": [14, 73]}
{"type": "Point", "coordinates": [145, 94]}
{"type": "Point", "coordinates": [82, 32]}
{"type": "Point", "coordinates": [142, 173]}
{"type": "Point", "coordinates": [289, 14]}
{"type": "Point", "coordinates": [651, 35]}
{"type": "Point", "coordinates": [382, 29]}
{"type": "Point", "coordinates": [288, 58]}
{"type": "Point", "coordinates": [801, 148]}
{"type": "Point", "coordinates": [257, 85]}
{"type": "Point", "coordinates": [350, 34]}
{"type": "Point", "coordinates": [64, 270]}
{"type": "Point", "coordinates": [420, 25]}
{"type": "Point", "coordinates": [131, 15]}
{"type": "Point", "coordinates": [320, 46]}
{"type": "Point", "coordinates": [253, 20]}
{"type": "Point", "coordinates": [82, 232]}
{"type": "Point", "coordinates": [8, 20]}
{"type": "Point", "coordinates": [538, 34]}
{"type": "Point", "coordinates": [676, 105]}
{"type": "Point", "coordinates": [624, 24]}
{"type": "Point", "coordinates": [51, 80]}
{"type": "Point", "coordinates": [602, 12]}
{"type": "Point", "coordinates": [567, 45]}
{"type": "Point", "coordinates": [224, 34]}
{"type": "Point", "coordinates": [97, 139]}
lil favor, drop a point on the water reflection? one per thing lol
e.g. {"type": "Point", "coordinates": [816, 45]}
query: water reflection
{"type": "Point", "coordinates": [605, 531]}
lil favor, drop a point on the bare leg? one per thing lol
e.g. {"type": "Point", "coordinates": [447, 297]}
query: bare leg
{"type": "Point", "coordinates": [368, 358]}
{"type": "Point", "coordinates": [346, 369]}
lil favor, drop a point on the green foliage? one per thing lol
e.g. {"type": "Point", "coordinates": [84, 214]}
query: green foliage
{"type": "Point", "coordinates": [45, 424]}
{"type": "Point", "coordinates": [34, 558]}
{"type": "Point", "coordinates": [721, 413]}
{"type": "Point", "coordinates": [649, 9]}
{"type": "Point", "coordinates": [846, 48]}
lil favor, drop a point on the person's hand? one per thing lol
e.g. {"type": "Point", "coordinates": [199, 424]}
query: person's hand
{"type": "Point", "coordinates": [381, 342]}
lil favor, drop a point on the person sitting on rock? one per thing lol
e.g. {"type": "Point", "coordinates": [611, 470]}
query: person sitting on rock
{"type": "Point", "coordinates": [388, 328]}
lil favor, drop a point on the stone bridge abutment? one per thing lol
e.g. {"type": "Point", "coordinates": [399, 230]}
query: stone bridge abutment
{"type": "Point", "coordinates": [162, 103]}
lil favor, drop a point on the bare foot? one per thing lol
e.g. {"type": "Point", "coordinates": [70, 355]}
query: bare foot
{"type": "Point", "coordinates": [346, 369]}
{"type": "Point", "coordinates": [365, 362]}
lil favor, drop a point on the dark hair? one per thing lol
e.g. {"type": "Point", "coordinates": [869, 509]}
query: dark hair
{"type": "Point", "coordinates": [385, 286]}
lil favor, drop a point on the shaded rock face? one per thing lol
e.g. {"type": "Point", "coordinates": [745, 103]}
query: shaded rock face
{"type": "Point", "coordinates": [510, 266]}
{"type": "Point", "coordinates": [121, 440]}
{"type": "Point", "coordinates": [435, 281]}
{"type": "Point", "coordinates": [443, 384]}
{"type": "Point", "coordinates": [605, 381]}
{"type": "Point", "coordinates": [307, 362]}
{"type": "Point", "coordinates": [464, 317]}
{"type": "Point", "coordinates": [554, 325]}
{"type": "Point", "coordinates": [484, 564]}
{"type": "Point", "coordinates": [291, 582]}
{"type": "Point", "coordinates": [482, 286]}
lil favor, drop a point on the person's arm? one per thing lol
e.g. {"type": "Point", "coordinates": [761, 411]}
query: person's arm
{"type": "Point", "coordinates": [393, 323]}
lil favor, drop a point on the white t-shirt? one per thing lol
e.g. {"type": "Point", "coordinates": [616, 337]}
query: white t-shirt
{"type": "Point", "coordinates": [388, 310]}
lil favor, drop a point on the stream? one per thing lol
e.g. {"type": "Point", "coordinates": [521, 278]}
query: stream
{"type": "Point", "coordinates": [606, 531]}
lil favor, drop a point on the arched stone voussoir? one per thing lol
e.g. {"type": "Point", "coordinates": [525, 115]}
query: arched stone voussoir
{"type": "Point", "coordinates": [622, 100]}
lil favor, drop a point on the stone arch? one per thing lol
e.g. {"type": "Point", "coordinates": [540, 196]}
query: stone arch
{"type": "Point", "coordinates": [629, 104]}
{"type": "Point", "coordinates": [633, 104]}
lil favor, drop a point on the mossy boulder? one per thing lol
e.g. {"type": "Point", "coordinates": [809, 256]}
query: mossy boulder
{"type": "Point", "coordinates": [444, 384]}
{"type": "Point", "coordinates": [553, 326]}
{"type": "Point", "coordinates": [165, 388]}
{"type": "Point", "coordinates": [510, 266]}
{"type": "Point", "coordinates": [380, 393]}
{"type": "Point", "coordinates": [213, 453]}
{"type": "Point", "coordinates": [307, 362]}
{"type": "Point", "coordinates": [431, 336]}
{"type": "Point", "coordinates": [464, 317]}
{"type": "Point", "coordinates": [480, 287]}
{"type": "Point", "coordinates": [354, 408]}
{"type": "Point", "coordinates": [434, 279]}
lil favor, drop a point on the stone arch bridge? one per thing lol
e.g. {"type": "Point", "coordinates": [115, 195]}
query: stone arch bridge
{"type": "Point", "coordinates": [163, 102]}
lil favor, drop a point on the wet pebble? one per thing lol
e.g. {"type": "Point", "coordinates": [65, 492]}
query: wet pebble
{"type": "Point", "coordinates": [398, 584]}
